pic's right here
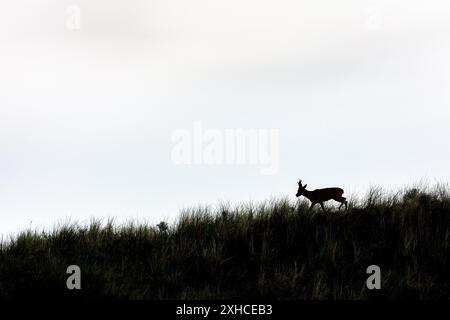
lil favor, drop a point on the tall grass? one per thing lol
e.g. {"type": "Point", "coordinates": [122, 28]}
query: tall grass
{"type": "Point", "coordinates": [278, 249]}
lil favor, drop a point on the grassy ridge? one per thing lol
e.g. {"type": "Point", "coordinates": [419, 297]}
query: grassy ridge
{"type": "Point", "coordinates": [267, 251]}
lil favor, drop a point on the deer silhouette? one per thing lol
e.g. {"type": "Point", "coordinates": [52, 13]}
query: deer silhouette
{"type": "Point", "coordinates": [319, 196]}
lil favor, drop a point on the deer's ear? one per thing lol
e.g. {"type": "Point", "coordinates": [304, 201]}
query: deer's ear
{"type": "Point", "coordinates": [305, 185]}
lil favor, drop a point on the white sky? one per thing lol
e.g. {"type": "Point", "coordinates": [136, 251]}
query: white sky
{"type": "Point", "coordinates": [359, 91]}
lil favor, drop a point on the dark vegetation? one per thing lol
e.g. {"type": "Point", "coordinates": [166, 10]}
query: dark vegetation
{"type": "Point", "coordinates": [276, 250]}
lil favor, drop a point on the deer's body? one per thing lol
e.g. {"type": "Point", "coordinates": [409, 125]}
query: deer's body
{"type": "Point", "coordinates": [319, 196]}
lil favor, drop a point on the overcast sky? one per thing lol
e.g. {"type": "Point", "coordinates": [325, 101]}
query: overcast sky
{"type": "Point", "coordinates": [92, 93]}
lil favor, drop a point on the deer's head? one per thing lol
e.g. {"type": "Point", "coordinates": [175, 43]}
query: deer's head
{"type": "Point", "coordinates": [301, 189]}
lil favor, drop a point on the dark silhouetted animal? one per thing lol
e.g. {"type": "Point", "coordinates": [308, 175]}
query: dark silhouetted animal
{"type": "Point", "coordinates": [321, 195]}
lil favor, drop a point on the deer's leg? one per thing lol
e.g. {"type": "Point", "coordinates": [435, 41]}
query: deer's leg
{"type": "Point", "coordinates": [321, 204]}
{"type": "Point", "coordinates": [343, 201]}
{"type": "Point", "coordinates": [312, 205]}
